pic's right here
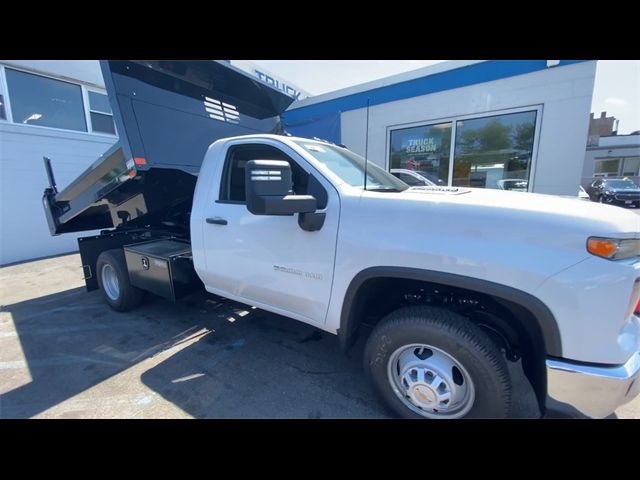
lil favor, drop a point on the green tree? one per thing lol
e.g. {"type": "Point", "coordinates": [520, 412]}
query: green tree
{"type": "Point", "coordinates": [523, 137]}
{"type": "Point", "coordinates": [494, 136]}
{"type": "Point", "coordinates": [467, 140]}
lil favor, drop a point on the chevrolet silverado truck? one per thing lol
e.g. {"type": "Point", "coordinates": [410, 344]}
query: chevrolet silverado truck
{"type": "Point", "coordinates": [448, 284]}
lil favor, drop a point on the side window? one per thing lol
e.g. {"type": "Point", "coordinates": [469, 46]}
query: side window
{"type": "Point", "coordinates": [232, 188]}
{"type": "Point", "coordinates": [100, 113]}
{"type": "Point", "coordinates": [37, 100]}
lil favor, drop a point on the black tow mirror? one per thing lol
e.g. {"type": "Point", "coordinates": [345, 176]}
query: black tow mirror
{"type": "Point", "coordinates": [268, 189]}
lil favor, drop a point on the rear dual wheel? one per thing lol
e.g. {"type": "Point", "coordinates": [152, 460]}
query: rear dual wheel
{"type": "Point", "coordinates": [429, 362]}
{"type": "Point", "coordinates": [113, 280]}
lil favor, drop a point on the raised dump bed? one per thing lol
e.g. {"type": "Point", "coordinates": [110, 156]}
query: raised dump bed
{"type": "Point", "coordinates": [167, 113]}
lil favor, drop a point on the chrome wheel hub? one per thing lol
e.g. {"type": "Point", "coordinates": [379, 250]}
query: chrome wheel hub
{"type": "Point", "coordinates": [430, 381]}
{"type": "Point", "coordinates": [110, 282]}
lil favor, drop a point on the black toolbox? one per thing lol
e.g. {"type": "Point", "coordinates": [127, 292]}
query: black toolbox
{"type": "Point", "coordinates": [163, 267]}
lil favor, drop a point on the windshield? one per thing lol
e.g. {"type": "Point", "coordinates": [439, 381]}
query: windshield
{"type": "Point", "coordinates": [621, 184]}
{"type": "Point", "coordinates": [350, 167]}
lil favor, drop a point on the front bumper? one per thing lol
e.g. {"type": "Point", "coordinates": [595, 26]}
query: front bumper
{"type": "Point", "coordinates": [594, 391]}
{"type": "Point", "coordinates": [622, 202]}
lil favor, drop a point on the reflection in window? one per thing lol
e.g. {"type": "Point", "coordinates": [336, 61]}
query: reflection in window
{"type": "Point", "coordinates": [631, 167]}
{"type": "Point", "coordinates": [423, 149]}
{"type": "Point", "coordinates": [3, 115]}
{"type": "Point", "coordinates": [351, 167]}
{"type": "Point", "coordinates": [607, 168]}
{"type": "Point", "coordinates": [101, 114]}
{"type": "Point", "coordinates": [37, 100]}
{"type": "Point", "coordinates": [494, 152]}
{"type": "Point", "coordinates": [411, 181]}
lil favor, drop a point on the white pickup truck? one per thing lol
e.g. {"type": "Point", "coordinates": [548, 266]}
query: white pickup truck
{"type": "Point", "coordinates": [448, 283]}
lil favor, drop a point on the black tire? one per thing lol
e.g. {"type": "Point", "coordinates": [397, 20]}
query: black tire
{"type": "Point", "coordinates": [601, 199]}
{"type": "Point", "coordinates": [467, 343]}
{"type": "Point", "coordinates": [128, 296]}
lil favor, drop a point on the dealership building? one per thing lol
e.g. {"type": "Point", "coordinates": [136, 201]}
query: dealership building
{"type": "Point", "coordinates": [609, 154]}
{"type": "Point", "coordinates": [489, 124]}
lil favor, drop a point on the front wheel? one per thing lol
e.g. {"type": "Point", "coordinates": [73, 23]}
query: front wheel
{"type": "Point", "coordinates": [428, 362]}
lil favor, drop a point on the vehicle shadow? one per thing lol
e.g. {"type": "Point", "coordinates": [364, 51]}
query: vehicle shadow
{"type": "Point", "coordinates": [254, 364]}
{"type": "Point", "coordinates": [261, 365]}
{"type": "Point", "coordinates": [208, 356]}
{"type": "Point", "coordinates": [71, 341]}
{"type": "Point", "coordinates": [215, 358]}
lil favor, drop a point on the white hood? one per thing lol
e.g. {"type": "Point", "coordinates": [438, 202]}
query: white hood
{"type": "Point", "coordinates": [597, 218]}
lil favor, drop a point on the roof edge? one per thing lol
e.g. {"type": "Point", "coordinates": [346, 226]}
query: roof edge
{"type": "Point", "coordinates": [385, 81]}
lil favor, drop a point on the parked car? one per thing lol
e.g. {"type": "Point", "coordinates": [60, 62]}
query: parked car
{"type": "Point", "coordinates": [412, 178]}
{"type": "Point", "coordinates": [517, 184]}
{"type": "Point", "coordinates": [615, 191]}
{"type": "Point", "coordinates": [433, 178]}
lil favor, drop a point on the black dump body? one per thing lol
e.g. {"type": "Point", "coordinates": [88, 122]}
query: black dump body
{"type": "Point", "coordinates": [167, 113]}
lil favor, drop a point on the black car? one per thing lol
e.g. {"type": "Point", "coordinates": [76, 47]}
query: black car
{"type": "Point", "coordinates": [615, 191]}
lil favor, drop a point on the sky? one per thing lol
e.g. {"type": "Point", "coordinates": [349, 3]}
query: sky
{"type": "Point", "coordinates": [616, 90]}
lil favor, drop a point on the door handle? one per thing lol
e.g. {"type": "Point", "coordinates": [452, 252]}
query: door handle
{"type": "Point", "coordinates": [216, 221]}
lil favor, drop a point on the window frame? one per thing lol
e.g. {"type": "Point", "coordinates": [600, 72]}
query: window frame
{"type": "Point", "coordinates": [4, 91]}
{"type": "Point", "coordinates": [51, 77]}
{"type": "Point", "coordinates": [225, 179]}
{"type": "Point", "coordinates": [624, 166]}
{"type": "Point", "coordinates": [89, 111]}
{"type": "Point", "coordinates": [538, 108]}
{"type": "Point", "coordinates": [287, 150]}
{"type": "Point", "coordinates": [84, 88]}
{"type": "Point", "coordinates": [608, 174]}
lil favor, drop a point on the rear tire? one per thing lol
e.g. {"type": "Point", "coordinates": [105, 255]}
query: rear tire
{"type": "Point", "coordinates": [428, 362]}
{"type": "Point", "coordinates": [113, 279]}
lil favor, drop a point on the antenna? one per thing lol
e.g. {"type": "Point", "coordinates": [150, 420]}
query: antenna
{"type": "Point", "coordinates": [366, 146]}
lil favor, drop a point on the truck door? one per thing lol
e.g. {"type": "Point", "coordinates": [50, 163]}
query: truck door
{"type": "Point", "coordinates": [269, 261]}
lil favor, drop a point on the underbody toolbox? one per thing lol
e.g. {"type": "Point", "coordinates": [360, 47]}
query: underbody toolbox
{"type": "Point", "coordinates": [163, 267]}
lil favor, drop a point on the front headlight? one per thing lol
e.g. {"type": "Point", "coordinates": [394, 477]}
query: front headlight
{"type": "Point", "coordinates": [614, 248]}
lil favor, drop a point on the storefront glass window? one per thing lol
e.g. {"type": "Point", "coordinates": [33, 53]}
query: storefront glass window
{"type": "Point", "coordinates": [423, 149]}
{"type": "Point", "coordinates": [607, 167]}
{"type": "Point", "coordinates": [494, 152]}
{"type": "Point", "coordinates": [631, 166]}
{"type": "Point", "coordinates": [43, 101]}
